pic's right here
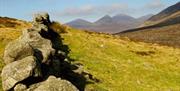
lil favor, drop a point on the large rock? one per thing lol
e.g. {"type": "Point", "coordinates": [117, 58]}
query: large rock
{"type": "Point", "coordinates": [17, 50]}
{"type": "Point", "coordinates": [18, 71]}
{"type": "Point", "coordinates": [43, 47]}
{"type": "Point", "coordinates": [56, 84]}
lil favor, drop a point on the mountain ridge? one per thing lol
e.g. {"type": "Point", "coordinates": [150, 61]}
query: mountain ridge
{"type": "Point", "coordinates": [167, 14]}
{"type": "Point", "coordinates": [110, 24]}
{"type": "Point", "coordinates": [80, 23]}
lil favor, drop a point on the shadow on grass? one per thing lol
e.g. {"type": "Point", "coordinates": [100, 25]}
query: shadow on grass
{"type": "Point", "coordinates": [65, 69]}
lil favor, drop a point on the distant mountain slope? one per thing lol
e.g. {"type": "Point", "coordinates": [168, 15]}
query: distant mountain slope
{"type": "Point", "coordinates": [144, 18]}
{"type": "Point", "coordinates": [165, 31]}
{"type": "Point", "coordinates": [167, 12]}
{"type": "Point", "coordinates": [118, 64]}
{"type": "Point", "coordinates": [122, 18]}
{"type": "Point", "coordinates": [105, 20]}
{"type": "Point", "coordinates": [166, 15]}
{"type": "Point", "coordinates": [108, 24]}
{"type": "Point", "coordinates": [80, 23]}
{"type": "Point", "coordinates": [165, 35]}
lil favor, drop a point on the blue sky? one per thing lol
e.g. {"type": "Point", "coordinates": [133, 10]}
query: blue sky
{"type": "Point", "coordinates": [67, 10]}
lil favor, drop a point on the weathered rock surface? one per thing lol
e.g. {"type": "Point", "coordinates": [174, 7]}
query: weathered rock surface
{"type": "Point", "coordinates": [43, 47]}
{"type": "Point", "coordinates": [17, 50]}
{"type": "Point", "coordinates": [56, 84]}
{"type": "Point", "coordinates": [18, 71]}
{"type": "Point", "coordinates": [42, 18]}
{"type": "Point", "coordinates": [20, 87]}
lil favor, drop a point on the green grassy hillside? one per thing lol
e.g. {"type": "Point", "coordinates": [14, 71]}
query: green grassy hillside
{"type": "Point", "coordinates": [123, 65]}
{"type": "Point", "coordinates": [119, 64]}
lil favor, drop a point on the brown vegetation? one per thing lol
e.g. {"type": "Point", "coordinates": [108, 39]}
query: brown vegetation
{"type": "Point", "coordinates": [166, 35]}
{"type": "Point", "coordinates": [6, 22]}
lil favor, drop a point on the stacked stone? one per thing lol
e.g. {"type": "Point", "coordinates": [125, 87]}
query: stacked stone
{"type": "Point", "coordinates": [32, 57]}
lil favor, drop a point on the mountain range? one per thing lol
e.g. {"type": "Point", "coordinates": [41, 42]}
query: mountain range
{"type": "Point", "coordinates": [108, 24]}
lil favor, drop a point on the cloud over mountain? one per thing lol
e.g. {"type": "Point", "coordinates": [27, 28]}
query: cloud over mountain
{"type": "Point", "coordinates": [93, 10]}
{"type": "Point", "coordinates": [155, 4]}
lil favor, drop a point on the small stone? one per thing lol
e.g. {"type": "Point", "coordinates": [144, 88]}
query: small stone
{"type": "Point", "coordinates": [20, 87]}
{"type": "Point", "coordinates": [42, 18]}
{"type": "Point", "coordinates": [56, 84]}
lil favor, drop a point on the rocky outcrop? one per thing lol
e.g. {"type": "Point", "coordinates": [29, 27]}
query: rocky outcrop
{"type": "Point", "coordinates": [39, 44]}
{"type": "Point", "coordinates": [18, 71]}
{"type": "Point", "coordinates": [17, 50]}
{"type": "Point", "coordinates": [34, 59]}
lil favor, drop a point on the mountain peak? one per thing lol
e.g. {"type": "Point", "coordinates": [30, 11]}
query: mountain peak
{"type": "Point", "coordinates": [104, 20]}
{"type": "Point", "coordinates": [121, 18]}
{"type": "Point", "coordinates": [80, 20]}
{"type": "Point", "coordinates": [79, 23]}
{"type": "Point", "coordinates": [107, 16]}
{"type": "Point", "coordinates": [121, 14]}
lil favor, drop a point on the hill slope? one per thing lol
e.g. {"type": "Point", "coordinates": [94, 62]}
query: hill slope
{"type": "Point", "coordinates": [119, 64]}
{"type": "Point", "coordinates": [145, 18]}
{"type": "Point", "coordinates": [164, 31]}
{"type": "Point", "coordinates": [166, 35]}
{"type": "Point", "coordinates": [6, 22]}
{"type": "Point", "coordinates": [167, 12]}
{"type": "Point", "coordinates": [171, 13]}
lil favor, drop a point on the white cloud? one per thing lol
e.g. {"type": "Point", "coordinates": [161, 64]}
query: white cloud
{"type": "Point", "coordinates": [93, 10]}
{"type": "Point", "coordinates": [74, 11]}
{"type": "Point", "coordinates": [155, 4]}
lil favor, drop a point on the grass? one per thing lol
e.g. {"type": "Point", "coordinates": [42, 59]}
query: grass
{"type": "Point", "coordinates": [12, 23]}
{"type": "Point", "coordinates": [120, 64]}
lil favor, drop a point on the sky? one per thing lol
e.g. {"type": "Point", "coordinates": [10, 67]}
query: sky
{"type": "Point", "coordinates": [91, 10]}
